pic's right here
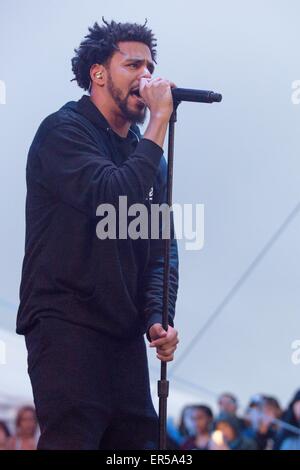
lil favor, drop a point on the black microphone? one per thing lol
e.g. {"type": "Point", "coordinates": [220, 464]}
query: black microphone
{"type": "Point", "coordinates": [198, 96]}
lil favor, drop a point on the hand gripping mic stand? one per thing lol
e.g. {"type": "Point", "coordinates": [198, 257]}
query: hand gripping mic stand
{"type": "Point", "coordinates": [163, 384]}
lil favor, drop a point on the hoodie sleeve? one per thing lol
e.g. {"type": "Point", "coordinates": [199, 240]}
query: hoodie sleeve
{"type": "Point", "coordinates": [70, 165]}
{"type": "Point", "coordinates": [152, 285]}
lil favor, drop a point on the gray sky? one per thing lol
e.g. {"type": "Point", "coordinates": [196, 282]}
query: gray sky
{"type": "Point", "coordinates": [239, 158]}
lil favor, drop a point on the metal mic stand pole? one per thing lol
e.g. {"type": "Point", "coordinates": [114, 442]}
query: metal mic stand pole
{"type": "Point", "coordinates": [163, 384]}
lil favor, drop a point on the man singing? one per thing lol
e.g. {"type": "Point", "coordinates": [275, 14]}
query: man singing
{"type": "Point", "coordinates": [86, 302]}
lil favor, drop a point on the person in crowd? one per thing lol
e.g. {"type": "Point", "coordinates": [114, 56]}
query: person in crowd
{"type": "Point", "coordinates": [185, 427]}
{"type": "Point", "coordinates": [228, 403]}
{"type": "Point", "coordinates": [253, 415]}
{"type": "Point", "coordinates": [286, 438]}
{"type": "Point", "coordinates": [26, 430]}
{"type": "Point", "coordinates": [177, 434]}
{"type": "Point", "coordinates": [229, 435]}
{"type": "Point", "coordinates": [201, 418]}
{"type": "Point", "coordinates": [4, 435]}
{"type": "Point", "coordinates": [268, 426]}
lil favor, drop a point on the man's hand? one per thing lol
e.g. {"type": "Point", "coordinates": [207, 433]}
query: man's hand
{"type": "Point", "coordinates": [164, 341]}
{"type": "Point", "coordinates": [157, 96]}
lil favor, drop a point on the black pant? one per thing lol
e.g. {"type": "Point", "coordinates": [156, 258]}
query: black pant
{"type": "Point", "coordinates": [90, 391]}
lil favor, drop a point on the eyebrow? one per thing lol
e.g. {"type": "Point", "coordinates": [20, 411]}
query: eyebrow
{"type": "Point", "coordinates": [138, 60]}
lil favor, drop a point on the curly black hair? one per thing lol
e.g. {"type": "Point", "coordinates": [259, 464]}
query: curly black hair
{"type": "Point", "coordinates": [102, 41]}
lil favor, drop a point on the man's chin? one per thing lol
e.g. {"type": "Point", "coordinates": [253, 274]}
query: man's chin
{"type": "Point", "coordinates": [137, 117]}
{"type": "Point", "coordinates": [133, 112]}
{"type": "Point", "coordinates": [141, 118]}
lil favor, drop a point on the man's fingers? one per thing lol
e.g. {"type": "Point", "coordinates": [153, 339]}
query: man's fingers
{"type": "Point", "coordinates": [158, 335]}
{"type": "Point", "coordinates": [162, 341]}
{"type": "Point", "coordinates": [166, 352]}
{"type": "Point", "coordinates": [167, 346]}
{"type": "Point", "coordinates": [149, 82]}
{"type": "Point", "coordinates": [155, 82]}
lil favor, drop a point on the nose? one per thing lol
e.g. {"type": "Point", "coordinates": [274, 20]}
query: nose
{"type": "Point", "coordinates": [146, 73]}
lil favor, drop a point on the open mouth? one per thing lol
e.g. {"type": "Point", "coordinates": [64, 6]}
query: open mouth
{"type": "Point", "coordinates": [136, 93]}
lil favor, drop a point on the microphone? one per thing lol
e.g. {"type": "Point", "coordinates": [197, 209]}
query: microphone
{"type": "Point", "coordinates": [198, 96]}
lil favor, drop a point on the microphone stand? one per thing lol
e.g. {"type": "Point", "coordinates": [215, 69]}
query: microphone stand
{"type": "Point", "coordinates": [163, 384]}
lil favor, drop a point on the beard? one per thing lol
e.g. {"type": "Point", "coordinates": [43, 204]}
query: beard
{"type": "Point", "coordinates": [136, 117]}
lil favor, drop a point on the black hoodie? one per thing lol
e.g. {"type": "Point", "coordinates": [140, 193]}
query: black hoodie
{"type": "Point", "coordinates": [75, 163]}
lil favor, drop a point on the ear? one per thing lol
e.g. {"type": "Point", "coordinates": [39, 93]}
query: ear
{"type": "Point", "coordinates": [97, 74]}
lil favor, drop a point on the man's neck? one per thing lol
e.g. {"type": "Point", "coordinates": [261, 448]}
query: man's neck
{"type": "Point", "coordinates": [115, 120]}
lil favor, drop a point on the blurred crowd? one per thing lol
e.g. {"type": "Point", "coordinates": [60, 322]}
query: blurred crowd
{"type": "Point", "coordinates": [263, 426]}
{"type": "Point", "coordinates": [24, 434]}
